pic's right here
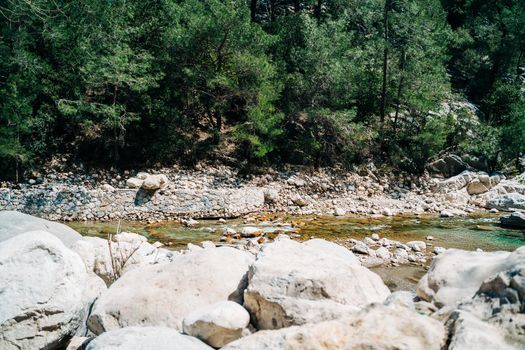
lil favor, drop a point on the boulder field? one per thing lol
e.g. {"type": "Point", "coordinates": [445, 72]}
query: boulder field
{"type": "Point", "coordinates": [61, 291]}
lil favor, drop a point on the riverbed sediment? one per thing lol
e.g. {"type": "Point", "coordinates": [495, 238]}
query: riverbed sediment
{"type": "Point", "coordinates": [223, 192]}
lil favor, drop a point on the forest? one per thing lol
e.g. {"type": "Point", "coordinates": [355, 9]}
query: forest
{"type": "Point", "coordinates": [129, 83]}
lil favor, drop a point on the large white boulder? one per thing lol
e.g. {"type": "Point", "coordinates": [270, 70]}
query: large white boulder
{"type": "Point", "coordinates": [13, 223]}
{"type": "Point", "coordinates": [155, 182]}
{"type": "Point", "coordinates": [456, 275]}
{"type": "Point", "coordinates": [141, 338]}
{"type": "Point", "coordinates": [45, 291]}
{"type": "Point", "coordinates": [218, 324]}
{"type": "Point", "coordinates": [375, 327]}
{"type": "Point", "coordinates": [163, 294]}
{"type": "Point", "coordinates": [293, 283]}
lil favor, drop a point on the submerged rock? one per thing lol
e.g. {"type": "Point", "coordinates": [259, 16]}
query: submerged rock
{"type": "Point", "coordinates": [292, 284]}
{"type": "Point", "coordinates": [514, 220]}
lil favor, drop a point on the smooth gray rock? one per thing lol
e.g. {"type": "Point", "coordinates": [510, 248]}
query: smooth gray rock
{"type": "Point", "coordinates": [13, 223]}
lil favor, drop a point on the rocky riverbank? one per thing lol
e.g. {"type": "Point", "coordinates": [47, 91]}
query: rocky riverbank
{"type": "Point", "coordinates": [221, 192]}
{"type": "Point", "coordinates": [64, 290]}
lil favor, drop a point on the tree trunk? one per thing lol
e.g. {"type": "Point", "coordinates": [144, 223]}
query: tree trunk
{"type": "Point", "coordinates": [385, 62]}
{"type": "Point", "coordinates": [297, 6]}
{"type": "Point", "coordinates": [253, 9]}
{"type": "Point", "coordinates": [518, 65]}
{"type": "Point", "coordinates": [400, 88]}
{"type": "Point", "coordinates": [272, 10]}
{"type": "Point", "coordinates": [317, 10]}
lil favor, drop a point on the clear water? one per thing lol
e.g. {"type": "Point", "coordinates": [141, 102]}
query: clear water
{"type": "Point", "coordinates": [469, 233]}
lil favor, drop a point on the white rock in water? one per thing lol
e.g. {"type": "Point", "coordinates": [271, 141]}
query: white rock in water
{"type": "Point", "coordinates": [13, 223]}
{"type": "Point", "coordinates": [417, 246]}
{"type": "Point", "coordinates": [45, 291]}
{"type": "Point", "coordinates": [439, 250]}
{"type": "Point", "coordinates": [155, 182]}
{"type": "Point", "coordinates": [456, 275]}
{"type": "Point", "coordinates": [142, 338]}
{"type": "Point", "coordinates": [292, 283]}
{"type": "Point", "coordinates": [190, 223]}
{"type": "Point", "coordinates": [361, 248]}
{"type": "Point", "coordinates": [217, 324]}
{"type": "Point", "coordinates": [375, 237]}
{"type": "Point", "coordinates": [375, 327]}
{"type": "Point", "coordinates": [383, 253]}
{"type": "Point", "coordinates": [168, 292]}
{"type": "Point", "coordinates": [250, 232]}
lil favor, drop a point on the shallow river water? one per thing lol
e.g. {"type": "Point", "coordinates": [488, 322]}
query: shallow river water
{"type": "Point", "coordinates": [470, 233]}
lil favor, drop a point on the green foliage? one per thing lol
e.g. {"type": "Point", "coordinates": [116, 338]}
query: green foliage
{"type": "Point", "coordinates": [129, 82]}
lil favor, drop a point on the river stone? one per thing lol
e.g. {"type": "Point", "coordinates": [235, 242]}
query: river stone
{"type": "Point", "coordinates": [163, 294]}
{"type": "Point", "coordinates": [13, 223]}
{"type": "Point", "coordinates": [375, 327]}
{"type": "Point", "coordinates": [217, 324]}
{"type": "Point", "coordinates": [46, 291]}
{"type": "Point", "coordinates": [293, 283]}
{"type": "Point", "coordinates": [456, 275]}
{"type": "Point", "coordinates": [155, 182]}
{"type": "Point", "coordinates": [250, 232]}
{"type": "Point", "coordinates": [514, 220]}
{"type": "Point", "coordinates": [417, 246]}
{"type": "Point", "coordinates": [507, 202]}
{"type": "Point", "coordinates": [141, 338]}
